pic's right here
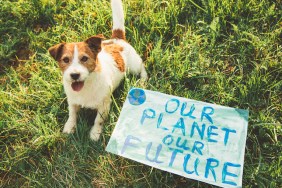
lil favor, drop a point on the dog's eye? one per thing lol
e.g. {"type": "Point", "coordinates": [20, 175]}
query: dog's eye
{"type": "Point", "coordinates": [66, 60]}
{"type": "Point", "coordinates": [84, 59]}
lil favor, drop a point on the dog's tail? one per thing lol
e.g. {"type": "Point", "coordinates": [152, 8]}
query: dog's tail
{"type": "Point", "coordinates": [118, 20]}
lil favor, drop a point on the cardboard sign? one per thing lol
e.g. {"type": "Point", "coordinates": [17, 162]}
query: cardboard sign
{"type": "Point", "coordinates": [194, 139]}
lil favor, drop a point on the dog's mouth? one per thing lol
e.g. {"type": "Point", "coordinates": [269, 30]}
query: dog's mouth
{"type": "Point", "coordinates": [77, 86]}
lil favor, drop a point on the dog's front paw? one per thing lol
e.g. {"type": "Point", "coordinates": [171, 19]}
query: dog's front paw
{"type": "Point", "coordinates": [69, 127]}
{"type": "Point", "coordinates": [95, 133]}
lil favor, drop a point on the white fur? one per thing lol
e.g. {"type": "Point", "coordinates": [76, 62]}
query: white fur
{"type": "Point", "coordinates": [118, 15]}
{"type": "Point", "coordinates": [99, 85]}
{"type": "Point", "coordinates": [75, 67]}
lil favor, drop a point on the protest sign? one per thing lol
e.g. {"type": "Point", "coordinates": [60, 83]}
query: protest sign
{"type": "Point", "coordinates": [194, 139]}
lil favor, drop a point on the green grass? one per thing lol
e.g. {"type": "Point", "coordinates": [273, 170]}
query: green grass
{"type": "Point", "coordinates": [225, 52]}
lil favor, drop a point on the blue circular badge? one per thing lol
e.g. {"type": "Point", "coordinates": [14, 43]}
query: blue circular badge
{"type": "Point", "coordinates": [137, 96]}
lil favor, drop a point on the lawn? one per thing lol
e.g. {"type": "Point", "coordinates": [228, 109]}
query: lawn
{"type": "Point", "coordinates": [225, 52]}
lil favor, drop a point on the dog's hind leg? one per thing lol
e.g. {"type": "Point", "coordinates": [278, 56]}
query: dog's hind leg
{"type": "Point", "coordinates": [135, 64]}
{"type": "Point", "coordinates": [143, 73]}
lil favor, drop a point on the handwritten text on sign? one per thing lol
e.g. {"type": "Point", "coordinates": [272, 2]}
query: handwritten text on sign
{"type": "Point", "coordinates": [190, 138]}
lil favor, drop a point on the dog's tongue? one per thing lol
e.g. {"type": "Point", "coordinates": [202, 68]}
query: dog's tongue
{"type": "Point", "coordinates": [77, 86]}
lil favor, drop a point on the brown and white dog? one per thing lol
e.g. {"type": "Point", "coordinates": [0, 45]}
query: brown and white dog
{"type": "Point", "coordinates": [94, 68]}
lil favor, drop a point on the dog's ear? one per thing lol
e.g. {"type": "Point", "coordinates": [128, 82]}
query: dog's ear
{"type": "Point", "coordinates": [94, 42]}
{"type": "Point", "coordinates": [56, 51]}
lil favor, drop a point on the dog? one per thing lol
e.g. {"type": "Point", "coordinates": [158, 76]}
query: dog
{"type": "Point", "coordinates": [94, 68]}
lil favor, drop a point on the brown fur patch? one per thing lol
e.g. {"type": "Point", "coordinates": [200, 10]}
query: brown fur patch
{"type": "Point", "coordinates": [115, 51]}
{"type": "Point", "coordinates": [94, 43]}
{"type": "Point", "coordinates": [56, 51]}
{"type": "Point", "coordinates": [91, 64]}
{"type": "Point", "coordinates": [118, 33]}
{"type": "Point", "coordinates": [67, 52]}
{"type": "Point", "coordinates": [97, 66]}
{"type": "Point", "coordinates": [105, 43]}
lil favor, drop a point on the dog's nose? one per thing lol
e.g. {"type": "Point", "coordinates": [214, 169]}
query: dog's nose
{"type": "Point", "coordinates": [75, 76]}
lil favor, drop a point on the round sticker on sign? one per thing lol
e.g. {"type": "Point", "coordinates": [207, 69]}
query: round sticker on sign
{"type": "Point", "coordinates": [136, 96]}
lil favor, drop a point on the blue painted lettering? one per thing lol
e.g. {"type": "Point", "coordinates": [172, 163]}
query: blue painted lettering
{"type": "Point", "coordinates": [167, 140]}
{"type": "Point", "coordinates": [207, 114]}
{"type": "Point", "coordinates": [188, 114]}
{"type": "Point", "coordinates": [226, 136]}
{"type": "Point", "coordinates": [200, 131]}
{"type": "Point", "coordinates": [226, 173]}
{"type": "Point", "coordinates": [198, 146]}
{"type": "Point", "coordinates": [179, 125]}
{"type": "Point", "coordinates": [211, 133]}
{"type": "Point", "coordinates": [148, 113]}
{"type": "Point", "coordinates": [173, 155]}
{"type": "Point", "coordinates": [197, 161]}
{"type": "Point", "coordinates": [211, 164]}
{"type": "Point", "coordinates": [159, 148]}
{"type": "Point", "coordinates": [160, 119]}
{"type": "Point", "coordinates": [183, 145]}
{"type": "Point", "coordinates": [128, 143]}
{"type": "Point", "coordinates": [172, 105]}
{"type": "Point", "coordinates": [186, 159]}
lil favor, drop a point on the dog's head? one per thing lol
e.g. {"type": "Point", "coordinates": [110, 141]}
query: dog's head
{"type": "Point", "coordinates": [77, 60]}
